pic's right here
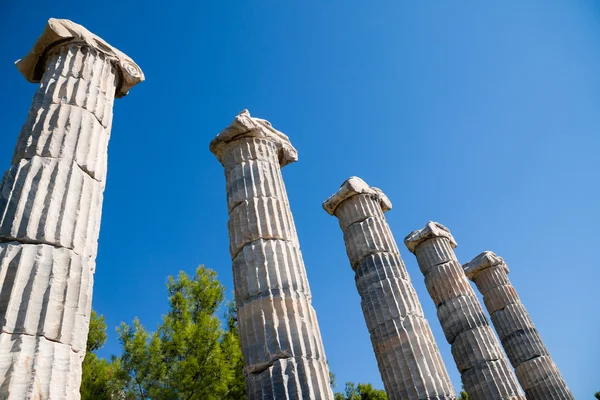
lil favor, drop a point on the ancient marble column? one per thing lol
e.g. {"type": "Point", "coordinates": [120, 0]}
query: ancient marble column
{"type": "Point", "coordinates": [535, 369]}
{"type": "Point", "coordinates": [484, 369]}
{"type": "Point", "coordinates": [279, 334]}
{"type": "Point", "coordinates": [50, 206]}
{"type": "Point", "coordinates": [408, 357]}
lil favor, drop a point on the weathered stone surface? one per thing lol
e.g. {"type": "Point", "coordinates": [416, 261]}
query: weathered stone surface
{"type": "Point", "coordinates": [407, 355]}
{"type": "Point", "coordinates": [59, 32]}
{"type": "Point", "coordinates": [279, 333]}
{"type": "Point", "coordinates": [542, 379]}
{"type": "Point", "coordinates": [484, 369]}
{"type": "Point", "coordinates": [244, 126]}
{"type": "Point", "coordinates": [289, 378]}
{"type": "Point", "coordinates": [46, 291]}
{"type": "Point", "coordinates": [491, 380]}
{"type": "Point", "coordinates": [50, 209]}
{"type": "Point", "coordinates": [537, 373]}
{"type": "Point", "coordinates": [48, 200]}
{"type": "Point", "coordinates": [78, 92]}
{"type": "Point", "coordinates": [34, 367]}
{"type": "Point", "coordinates": [66, 132]}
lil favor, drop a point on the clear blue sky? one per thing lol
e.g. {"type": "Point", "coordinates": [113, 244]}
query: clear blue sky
{"type": "Point", "coordinates": [482, 117]}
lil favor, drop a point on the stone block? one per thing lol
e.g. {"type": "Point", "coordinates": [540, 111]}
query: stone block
{"type": "Point", "coordinates": [368, 237]}
{"type": "Point", "coordinates": [446, 282]}
{"type": "Point", "coordinates": [290, 379]}
{"type": "Point", "coordinates": [47, 200]}
{"type": "Point", "coordinates": [65, 132]}
{"type": "Point", "coordinates": [45, 291]}
{"type": "Point", "coordinates": [553, 388]}
{"type": "Point", "coordinates": [57, 89]}
{"type": "Point", "coordinates": [499, 297]}
{"type": "Point", "coordinates": [376, 267]}
{"type": "Point", "coordinates": [264, 267]}
{"type": "Point", "coordinates": [279, 326]}
{"type": "Point", "coordinates": [253, 179]}
{"type": "Point", "coordinates": [510, 319]}
{"type": "Point", "coordinates": [490, 277]}
{"type": "Point", "coordinates": [474, 347]}
{"type": "Point", "coordinates": [409, 359]}
{"type": "Point", "coordinates": [491, 380]}
{"type": "Point", "coordinates": [524, 345]}
{"type": "Point", "coordinates": [389, 299]}
{"type": "Point", "coordinates": [359, 208]}
{"type": "Point", "coordinates": [534, 372]}
{"type": "Point", "coordinates": [33, 367]}
{"type": "Point", "coordinates": [460, 315]}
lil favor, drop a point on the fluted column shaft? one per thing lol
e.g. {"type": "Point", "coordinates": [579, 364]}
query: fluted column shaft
{"type": "Point", "coordinates": [409, 360]}
{"type": "Point", "coordinates": [280, 338]}
{"type": "Point", "coordinates": [50, 208]}
{"type": "Point", "coordinates": [484, 369]}
{"type": "Point", "coordinates": [535, 369]}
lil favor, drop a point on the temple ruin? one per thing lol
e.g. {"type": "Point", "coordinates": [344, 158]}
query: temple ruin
{"type": "Point", "coordinates": [484, 369]}
{"type": "Point", "coordinates": [50, 210]}
{"type": "Point", "coordinates": [279, 333]}
{"type": "Point", "coordinates": [535, 369]}
{"type": "Point", "coordinates": [409, 361]}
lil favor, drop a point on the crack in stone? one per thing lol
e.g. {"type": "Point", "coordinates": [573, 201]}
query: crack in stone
{"type": "Point", "coordinates": [25, 241]}
{"type": "Point", "coordinates": [262, 367]}
{"type": "Point", "coordinates": [42, 336]}
{"type": "Point", "coordinates": [85, 171]}
{"type": "Point", "coordinates": [429, 268]}
{"type": "Point", "coordinates": [364, 219]}
{"type": "Point", "coordinates": [480, 364]}
{"type": "Point", "coordinates": [401, 318]}
{"type": "Point", "coordinates": [371, 253]}
{"type": "Point", "coordinates": [249, 199]}
{"type": "Point", "coordinates": [254, 241]}
{"type": "Point", "coordinates": [287, 291]}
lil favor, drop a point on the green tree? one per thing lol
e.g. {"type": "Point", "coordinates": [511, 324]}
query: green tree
{"type": "Point", "coordinates": [190, 356]}
{"type": "Point", "coordinates": [101, 379]}
{"type": "Point", "coordinates": [362, 391]}
{"type": "Point", "coordinates": [463, 395]}
{"type": "Point", "coordinates": [597, 395]}
{"type": "Point", "coordinates": [233, 354]}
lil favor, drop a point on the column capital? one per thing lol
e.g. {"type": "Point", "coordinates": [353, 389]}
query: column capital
{"type": "Point", "coordinates": [487, 259]}
{"type": "Point", "coordinates": [244, 126]}
{"type": "Point", "coordinates": [60, 32]}
{"type": "Point", "coordinates": [351, 187]}
{"type": "Point", "coordinates": [431, 230]}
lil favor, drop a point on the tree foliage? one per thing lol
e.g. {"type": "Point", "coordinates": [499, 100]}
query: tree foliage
{"type": "Point", "coordinates": [362, 391]}
{"type": "Point", "coordinates": [597, 395]}
{"type": "Point", "coordinates": [190, 356]}
{"type": "Point", "coordinates": [101, 379]}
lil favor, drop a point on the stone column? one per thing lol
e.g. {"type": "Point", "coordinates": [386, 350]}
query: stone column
{"type": "Point", "coordinates": [50, 206]}
{"type": "Point", "coordinates": [279, 334]}
{"type": "Point", "coordinates": [484, 369]}
{"type": "Point", "coordinates": [536, 371]}
{"type": "Point", "coordinates": [408, 357]}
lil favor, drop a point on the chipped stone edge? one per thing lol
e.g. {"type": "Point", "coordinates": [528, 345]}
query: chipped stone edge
{"type": "Point", "coordinates": [60, 32]}
{"type": "Point", "coordinates": [486, 259]}
{"type": "Point", "coordinates": [243, 126]}
{"type": "Point", "coordinates": [431, 230]}
{"type": "Point", "coordinates": [352, 187]}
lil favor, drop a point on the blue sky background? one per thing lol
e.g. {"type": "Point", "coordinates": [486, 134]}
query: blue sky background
{"type": "Point", "coordinates": [482, 117]}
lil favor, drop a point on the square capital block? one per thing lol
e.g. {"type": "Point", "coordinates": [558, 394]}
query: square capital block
{"type": "Point", "coordinates": [60, 32]}
{"type": "Point", "coordinates": [430, 231]}
{"type": "Point", "coordinates": [351, 187]}
{"type": "Point", "coordinates": [246, 126]}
